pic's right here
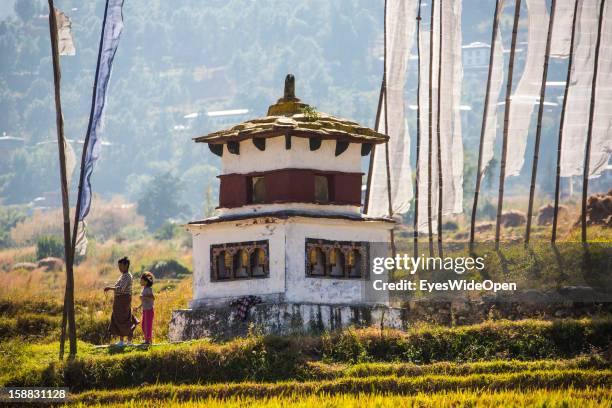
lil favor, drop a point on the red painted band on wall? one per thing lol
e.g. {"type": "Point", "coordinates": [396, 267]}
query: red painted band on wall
{"type": "Point", "coordinates": [290, 186]}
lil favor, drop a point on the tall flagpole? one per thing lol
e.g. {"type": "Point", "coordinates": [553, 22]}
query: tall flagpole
{"type": "Point", "coordinates": [562, 123]}
{"type": "Point", "coordinates": [483, 127]}
{"type": "Point", "coordinates": [68, 310]}
{"type": "Point", "coordinates": [536, 149]}
{"type": "Point", "coordinates": [438, 131]}
{"type": "Point", "coordinates": [366, 204]}
{"type": "Point", "coordinates": [418, 137]}
{"type": "Point", "coordinates": [430, 140]}
{"type": "Point", "coordinates": [587, 150]}
{"type": "Point", "coordinates": [502, 166]}
{"type": "Point", "coordinates": [387, 164]}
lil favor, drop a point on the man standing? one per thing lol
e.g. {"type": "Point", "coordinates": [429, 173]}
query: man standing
{"type": "Point", "coordinates": [123, 321]}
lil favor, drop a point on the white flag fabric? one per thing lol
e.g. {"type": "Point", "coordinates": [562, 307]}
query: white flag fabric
{"type": "Point", "coordinates": [497, 81]}
{"type": "Point", "coordinates": [65, 44]}
{"type": "Point", "coordinates": [424, 162]}
{"type": "Point", "coordinates": [562, 29]}
{"type": "Point", "coordinates": [527, 92]}
{"type": "Point", "coordinates": [70, 160]}
{"type": "Point", "coordinates": [579, 91]}
{"type": "Point", "coordinates": [450, 119]}
{"type": "Point", "coordinates": [601, 142]}
{"type": "Point", "coordinates": [400, 25]}
{"type": "Point", "coordinates": [80, 247]}
{"type": "Point", "coordinates": [451, 146]}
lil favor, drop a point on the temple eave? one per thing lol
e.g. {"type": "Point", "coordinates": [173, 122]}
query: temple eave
{"type": "Point", "coordinates": [286, 214]}
{"type": "Point", "coordinates": [306, 133]}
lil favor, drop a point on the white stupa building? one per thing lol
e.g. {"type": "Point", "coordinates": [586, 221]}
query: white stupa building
{"type": "Point", "coordinates": [289, 228]}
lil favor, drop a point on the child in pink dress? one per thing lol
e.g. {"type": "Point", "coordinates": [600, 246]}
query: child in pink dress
{"type": "Point", "coordinates": [147, 300]}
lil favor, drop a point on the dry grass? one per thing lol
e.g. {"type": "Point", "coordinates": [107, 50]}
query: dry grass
{"type": "Point", "coordinates": [96, 272]}
{"type": "Point", "coordinates": [591, 398]}
{"type": "Point", "coordinates": [107, 220]}
{"type": "Point", "coordinates": [555, 380]}
{"type": "Point", "coordinates": [10, 256]}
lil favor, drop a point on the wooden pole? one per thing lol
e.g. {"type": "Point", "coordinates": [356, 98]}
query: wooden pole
{"type": "Point", "coordinates": [483, 127]}
{"type": "Point", "coordinates": [536, 149]}
{"type": "Point", "coordinates": [418, 137]}
{"type": "Point", "coordinates": [366, 204]}
{"type": "Point", "coordinates": [68, 310]}
{"type": "Point", "coordinates": [587, 150]}
{"type": "Point", "coordinates": [386, 118]}
{"type": "Point", "coordinates": [561, 124]}
{"type": "Point", "coordinates": [502, 166]}
{"type": "Point", "coordinates": [430, 140]}
{"type": "Point", "coordinates": [438, 131]}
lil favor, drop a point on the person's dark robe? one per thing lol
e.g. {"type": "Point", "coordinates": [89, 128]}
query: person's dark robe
{"type": "Point", "coordinates": [123, 322]}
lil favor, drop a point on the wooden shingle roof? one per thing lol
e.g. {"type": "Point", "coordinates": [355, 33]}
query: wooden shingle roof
{"type": "Point", "coordinates": [290, 117]}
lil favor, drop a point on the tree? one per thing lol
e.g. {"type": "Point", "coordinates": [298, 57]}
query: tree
{"type": "Point", "coordinates": [49, 245]}
{"type": "Point", "coordinates": [9, 217]}
{"type": "Point", "coordinates": [26, 9]}
{"type": "Point", "coordinates": [161, 200]}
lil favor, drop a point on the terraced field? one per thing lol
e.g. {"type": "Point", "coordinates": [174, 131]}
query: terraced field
{"type": "Point", "coordinates": [544, 363]}
{"type": "Point", "coordinates": [594, 386]}
{"type": "Point", "coordinates": [599, 397]}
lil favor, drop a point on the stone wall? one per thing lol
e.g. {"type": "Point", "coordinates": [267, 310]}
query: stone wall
{"type": "Point", "coordinates": [222, 322]}
{"type": "Point", "coordinates": [276, 316]}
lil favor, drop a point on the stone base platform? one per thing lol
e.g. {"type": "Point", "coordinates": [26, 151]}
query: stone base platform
{"type": "Point", "coordinates": [222, 322]}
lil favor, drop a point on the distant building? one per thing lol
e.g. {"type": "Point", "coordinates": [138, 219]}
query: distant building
{"type": "Point", "coordinates": [223, 118]}
{"type": "Point", "coordinates": [475, 56]}
{"type": "Point", "coordinates": [213, 120]}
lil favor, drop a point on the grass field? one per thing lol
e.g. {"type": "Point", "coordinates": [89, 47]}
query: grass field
{"type": "Point", "coordinates": [419, 351]}
{"type": "Point", "coordinates": [564, 362]}
{"type": "Point", "coordinates": [587, 398]}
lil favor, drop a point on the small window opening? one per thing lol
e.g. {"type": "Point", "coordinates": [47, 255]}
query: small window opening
{"type": "Point", "coordinates": [322, 189]}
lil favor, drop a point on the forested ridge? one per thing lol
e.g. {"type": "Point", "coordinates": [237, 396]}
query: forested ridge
{"type": "Point", "coordinates": [181, 57]}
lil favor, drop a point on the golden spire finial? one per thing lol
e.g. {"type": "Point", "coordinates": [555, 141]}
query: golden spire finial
{"type": "Point", "coordinates": [289, 94]}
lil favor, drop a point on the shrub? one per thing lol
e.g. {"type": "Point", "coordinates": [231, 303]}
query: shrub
{"type": "Point", "coordinates": [49, 245]}
{"type": "Point", "coordinates": [168, 231]}
{"type": "Point", "coordinates": [487, 211]}
{"type": "Point", "coordinates": [93, 330]}
{"type": "Point", "coordinates": [168, 268]}
{"type": "Point", "coordinates": [346, 347]}
{"type": "Point", "coordinates": [36, 325]}
{"type": "Point", "coordinates": [450, 226]}
{"type": "Point", "coordinates": [7, 328]}
{"type": "Point", "coordinates": [521, 340]}
{"type": "Point", "coordinates": [11, 308]}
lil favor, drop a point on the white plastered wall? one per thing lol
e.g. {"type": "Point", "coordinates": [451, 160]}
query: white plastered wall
{"type": "Point", "coordinates": [303, 289]}
{"type": "Point", "coordinates": [275, 157]}
{"type": "Point", "coordinates": [287, 258]}
{"type": "Point", "coordinates": [316, 209]}
{"type": "Point", "coordinates": [239, 231]}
